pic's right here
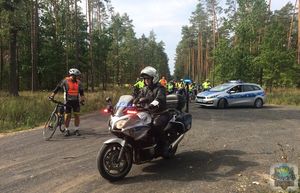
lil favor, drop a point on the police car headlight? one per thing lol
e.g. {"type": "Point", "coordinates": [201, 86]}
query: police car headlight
{"type": "Point", "coordinates": [211, 97]}
{"type": "Point", "coordinates": [120, 124]}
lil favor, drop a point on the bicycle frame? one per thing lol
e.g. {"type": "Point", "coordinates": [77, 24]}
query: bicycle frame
{"type": "Point", "coordinates": [55, 120]}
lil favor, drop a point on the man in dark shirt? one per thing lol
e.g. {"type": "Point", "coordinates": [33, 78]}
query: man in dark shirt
{"type": "Point", "coordinates": [155, 94]}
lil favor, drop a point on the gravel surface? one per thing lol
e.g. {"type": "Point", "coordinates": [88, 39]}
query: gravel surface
{"type": "Point", "coordinates": [226, 151]}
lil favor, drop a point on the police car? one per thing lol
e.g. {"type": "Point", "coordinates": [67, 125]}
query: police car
{"type": "Point", "coordinates": [233, 93]}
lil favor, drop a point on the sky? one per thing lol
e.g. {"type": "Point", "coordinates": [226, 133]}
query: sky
{"type": "Point", "coordinates": [165, 18]}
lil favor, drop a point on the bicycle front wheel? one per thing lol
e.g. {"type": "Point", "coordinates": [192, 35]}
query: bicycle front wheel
{"type": "Point", "coordinates": [50, 126]}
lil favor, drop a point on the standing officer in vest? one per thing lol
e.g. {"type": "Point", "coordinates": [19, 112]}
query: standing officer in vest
{"type": "Point", "coordinates": [138, 86]}
{"type": "Point", "coordinates": [206, 85]}
{"type": "Point", "coordinates": [73, 96]}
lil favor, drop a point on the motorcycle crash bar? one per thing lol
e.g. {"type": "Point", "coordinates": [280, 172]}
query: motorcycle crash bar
{"type": "Point", "coordinates": [177, 141]}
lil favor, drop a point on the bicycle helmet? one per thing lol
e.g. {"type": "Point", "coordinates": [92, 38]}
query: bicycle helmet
{"type": "Point", "coordinates": [74, 71]}
{"type": "Point", "coordinates": [150, 72]}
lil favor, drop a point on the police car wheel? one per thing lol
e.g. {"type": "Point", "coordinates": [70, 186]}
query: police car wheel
{"type": "Point", "coordinates": [222, 104]}
{"type": "Point", "coordinates": [258, 103]}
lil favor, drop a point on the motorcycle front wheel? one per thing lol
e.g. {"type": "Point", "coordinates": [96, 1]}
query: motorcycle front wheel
{"type": "Point", "coordinates": [108, 165]}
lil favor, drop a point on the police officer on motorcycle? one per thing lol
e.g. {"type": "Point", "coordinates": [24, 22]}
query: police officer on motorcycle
{"type": "Point", "coordinates": [155, 95]}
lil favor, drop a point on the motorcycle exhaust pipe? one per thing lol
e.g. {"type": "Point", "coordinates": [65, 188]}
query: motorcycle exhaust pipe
{"type": "Point", "coordinates": [177, 141]}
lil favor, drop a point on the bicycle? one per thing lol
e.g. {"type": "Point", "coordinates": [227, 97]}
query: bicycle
{"type": "Point", "coordinates": [55, 120]}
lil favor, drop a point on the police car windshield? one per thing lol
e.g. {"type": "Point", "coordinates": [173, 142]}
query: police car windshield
{"type": "Point", "coordinates": [221, 87]}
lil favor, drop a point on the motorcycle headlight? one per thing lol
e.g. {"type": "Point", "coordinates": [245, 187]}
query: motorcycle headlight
{"type": "Point", "coordinates": [120, 124]}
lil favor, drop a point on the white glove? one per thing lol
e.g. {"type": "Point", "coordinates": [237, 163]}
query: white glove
{"type": "Point", "coordinates": [154, 103]}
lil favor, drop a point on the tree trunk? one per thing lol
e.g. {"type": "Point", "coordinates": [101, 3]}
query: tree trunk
{"type": "Point", "coordinates": [13, 87]}
{"type": "Point", "coordinates": [34, 40]}
{"type": "Point", "coordinates": [206, 60]}
{"type": "Point", "coordinates": [291, 26]}
{"type": "Point", "coordinates": [189, 63]}
{"type": "Point", "coordinates": [76, 36]}
{"type": "Point", "coordinates": [1, 63]}
{"type": "Point", "coordinates": [214, 41]}
{"type": "Point", "coordinates": [87, 81]}
{"type": "Point", "coordinates": [261, 73]}
{"type": "Point", "coordinates": [298, 32]}
{"type": "Point", "coordinates": [90, 14]}
{"type": "Point", "coordinates": [68, 31]}
{"type": "Point", "coordinates": [199, 60]}
{"type": "Point", "coordinates": [193, 64]}
{"type": "Point", "coordinates": [104, 82]}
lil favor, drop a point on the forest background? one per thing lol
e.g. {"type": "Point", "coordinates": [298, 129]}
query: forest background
{"type": "Point", "coordinates": [41, 39]}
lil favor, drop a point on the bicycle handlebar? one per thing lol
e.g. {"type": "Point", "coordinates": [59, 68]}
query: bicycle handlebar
{"type": "Point", "coordinates": [61, 103]}
{"type": "Point", "coordinates": [55, 101]}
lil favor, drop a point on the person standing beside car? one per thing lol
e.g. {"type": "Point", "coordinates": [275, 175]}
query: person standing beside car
{"type": "Point", "coordinates": [206, 85]}
{"type": "Point", "coordinates": [73, 96]}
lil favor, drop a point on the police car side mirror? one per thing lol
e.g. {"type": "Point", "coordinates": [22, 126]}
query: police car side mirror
{"type": "Point", "coordinates": [231, 92]}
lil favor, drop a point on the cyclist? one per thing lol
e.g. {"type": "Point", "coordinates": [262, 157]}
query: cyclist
{"type": "Point", "coordinates": [73, 96]}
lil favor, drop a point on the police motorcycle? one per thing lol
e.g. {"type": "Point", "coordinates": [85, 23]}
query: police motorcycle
{"type": "Point", "coordinates": [134, 143]}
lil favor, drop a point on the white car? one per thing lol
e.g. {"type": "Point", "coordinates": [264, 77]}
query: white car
{"type": "Point", "coordinates": [233, 93]}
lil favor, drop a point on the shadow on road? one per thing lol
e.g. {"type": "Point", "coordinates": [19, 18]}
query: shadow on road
{"type": "Point", "coordinates": [193, 165]}
{"type": "Point", "coordinates": [85, 134]}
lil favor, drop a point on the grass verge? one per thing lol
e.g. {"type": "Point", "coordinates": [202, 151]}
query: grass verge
{"type": "Point", "coordinates": [285, 96]}
{"type": "Point", "coordinates": [32, 109]}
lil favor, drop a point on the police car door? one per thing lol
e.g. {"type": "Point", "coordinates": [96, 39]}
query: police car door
{"type": "Point", "coordinates": [249, 94]}
{"type": "Point", "coordinates": [235, 96]}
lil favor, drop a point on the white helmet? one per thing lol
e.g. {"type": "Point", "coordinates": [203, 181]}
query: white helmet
{"type": "Point", "coordinates": [152, 72]}
{"type": "Point", "coordinates": [74, 71]}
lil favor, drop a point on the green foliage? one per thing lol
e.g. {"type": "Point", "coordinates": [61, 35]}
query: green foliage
{"type": "Point", "coordinates": [64, 41]}
{"type": "Point", "coordinates": [251, 44]}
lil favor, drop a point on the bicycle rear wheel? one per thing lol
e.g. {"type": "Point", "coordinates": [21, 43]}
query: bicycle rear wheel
{"type": "Point", "coordinates": [50, 126]}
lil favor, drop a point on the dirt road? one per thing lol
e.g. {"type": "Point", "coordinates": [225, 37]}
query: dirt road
{"type": "Point", "coordinates": [226, 151]}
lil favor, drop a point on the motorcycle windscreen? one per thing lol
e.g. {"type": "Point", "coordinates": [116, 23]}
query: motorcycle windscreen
{"type": "Point", "coordinates": [124, 102]}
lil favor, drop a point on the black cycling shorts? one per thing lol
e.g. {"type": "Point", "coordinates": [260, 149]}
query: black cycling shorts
{"type": "Point", "coordinates": [72, 105]}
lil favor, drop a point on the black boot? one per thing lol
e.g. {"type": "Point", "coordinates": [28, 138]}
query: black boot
{"type": "Point", "coordinates": [164, 145]}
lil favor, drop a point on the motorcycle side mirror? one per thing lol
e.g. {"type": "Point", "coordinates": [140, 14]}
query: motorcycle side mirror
{"type": "Point", "coordinates": [109, 109]}
{"type": "Point", "coordinates": [108, 99]}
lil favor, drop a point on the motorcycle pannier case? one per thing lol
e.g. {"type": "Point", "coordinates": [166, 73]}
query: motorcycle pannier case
{"type": "Point", "coordinates": [187, 120]}
{"type": "Point", "coordinates": [176, 101]}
